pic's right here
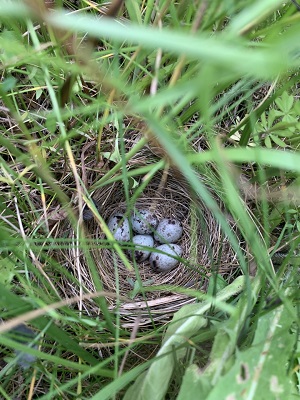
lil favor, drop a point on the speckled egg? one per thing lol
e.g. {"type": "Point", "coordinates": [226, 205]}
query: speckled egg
{"type": "Point", "coordinates": [144, 222]}
{"type": "Point", "coordinates": [119, 227]}
{"type": "Point", "coordinates": [169, 230]}
{"type": "Point", "coordinates": [163, 262]}
{"type": "Point", "coordinates": [141, 240]}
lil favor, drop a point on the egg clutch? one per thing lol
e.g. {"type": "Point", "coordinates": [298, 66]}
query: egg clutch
{"type": "Point", "coordinates": [150, 235]}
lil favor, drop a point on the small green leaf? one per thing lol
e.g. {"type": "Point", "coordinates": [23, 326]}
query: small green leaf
{"type": "Point", "coordinates": [285, 102]}
{"type": "Point", "coordinates": [296, 108]}
{"type": "Point", "coordinates": [277, 113]}
{"type": "Point", "coordinates": [268, 142]}
{"type": "Point", "coordinates": [132, 183]}
{"type": "Point", "coordinates": [292, 211]}
{"type": "Point", "coordinates": [278, 141]}
{"type": "Point", "coordinates": [290, 121]}
{"type": "Point", "coordinates": [7, 267]}
{"type": "Point", "coordinates": [115, 156]}
{"type": "Point", "coordinates": [264, 121]}
{"type": "Point", "coordinates": [8, 84]}
{"type": "Point", "coordinates": [50, 123]}
{"type": "Point", "coordinates": [282, 129]}
{"type": "Point", "coordinates": [271, 118]}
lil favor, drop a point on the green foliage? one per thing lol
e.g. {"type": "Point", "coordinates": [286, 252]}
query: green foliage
{"type": "Point", "coordinates": [280, 126]}
{"type": "Point", "coordinates": [261, 368]}
{"type": "Point", "coordinates": [193, 384]}
{"type": "Point", "coordinates": [7, 267]}
{"type": "Point", "coordinates": [214, 86]}
{"type": "Point", "coordinates": [185, 323]}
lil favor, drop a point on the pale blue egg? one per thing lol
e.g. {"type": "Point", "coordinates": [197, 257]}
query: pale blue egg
{"type": "Point", "coordinates": [119, 227]}
{"type": "Point", "coordinates": [144, 222]}
{"type": "Point", "coordinates": [169, 230]}
{"type": "Point", "coordinates": [165, 262]}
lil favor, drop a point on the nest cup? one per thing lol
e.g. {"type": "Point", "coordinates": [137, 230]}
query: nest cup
{"type": "Point", "coordinates": [205, 251]}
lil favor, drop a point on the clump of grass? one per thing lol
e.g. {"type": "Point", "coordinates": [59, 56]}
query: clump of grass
{"type": "Point", "coordinates": [82, 99]}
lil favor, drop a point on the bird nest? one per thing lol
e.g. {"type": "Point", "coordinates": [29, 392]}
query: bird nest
{"type": "Point", "coordinates": [154, 296]}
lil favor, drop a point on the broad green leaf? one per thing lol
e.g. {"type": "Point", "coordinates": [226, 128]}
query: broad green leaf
{"type": "Point", "coordinates": [194, 385]}
{"type": "Point", "coordinates": [261, 371]}
{"type": "Point", "coordinates": [183, 318]}
{"type": "Point", "coordinates": [134, 390]}
{"type": "Point", "coordinates": [227, 337]}
{"type": "Point", "coordinates": [186, 322]}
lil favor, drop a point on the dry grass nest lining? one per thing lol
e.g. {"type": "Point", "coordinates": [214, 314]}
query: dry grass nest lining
{"type": "Point", "coordinates": [204, 247]}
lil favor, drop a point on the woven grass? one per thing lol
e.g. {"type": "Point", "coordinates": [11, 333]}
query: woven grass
{"type": "Point", "coordinates": [205, 251]}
